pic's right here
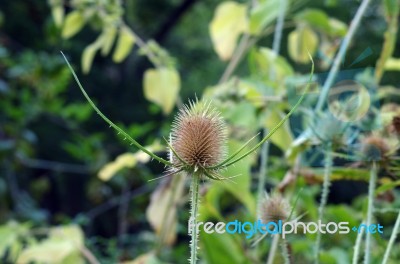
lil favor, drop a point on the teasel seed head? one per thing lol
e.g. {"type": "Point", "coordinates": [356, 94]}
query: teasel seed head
{"type": "Point", "coordinates": [396, 124]}
{"type": "Point", "coordinates": [198, 137]}
{"type": "Point", "coordinates": [274, 208]}
{"type": "Point", "coordinates": [374, 148]}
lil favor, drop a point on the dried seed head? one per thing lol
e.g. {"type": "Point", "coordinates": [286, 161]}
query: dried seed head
{"type": "Point", "coordinates": [396, 124]}
{"type": "Point", "coordinates": [374, 148]}
{"type": "Point", "coordinates": [198, 137]}
{"type": "Point", "coordinates": [274, 208]}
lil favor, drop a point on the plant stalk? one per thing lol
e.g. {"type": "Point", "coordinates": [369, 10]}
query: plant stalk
{"type": "Point", "coordinates": [324, 195]}
{"type": "Point", "coordinates": [194, 211]}
{"type": "Point", "coordinates": [396, 230]}
{"type": "Point", "coordinates": [371, 190]}
{"type": "Point", "coordinates": [340, 55]}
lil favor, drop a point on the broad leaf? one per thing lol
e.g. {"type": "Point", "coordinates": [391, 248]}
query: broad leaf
{"type": "Point", "coordinates": [229, 22]}
{"type": "Point", "coordinates": [161, 86]}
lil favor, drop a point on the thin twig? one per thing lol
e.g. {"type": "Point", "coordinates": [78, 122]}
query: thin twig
{"type": "Point", "coordinates": [340, 55]}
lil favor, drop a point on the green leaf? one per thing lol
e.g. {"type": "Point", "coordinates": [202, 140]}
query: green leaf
{"type": "Point", "coordinates": [222, 248]}
{"type": "Point", "coordinates": [262, 15]}
{"type": "Point", "coordinates": [319, 20]}
{"type": "Point", "coordinates": [73, 24]}
{"type": "Point", "coordinates": [240, 189]}
{"type": "Point", "coordinates": [228, 23]}
{"type": "Point", "coordinates": [110, 34]}
{"type": "Point", "coordinates": [388, 185]}
{"type": "Point", "coordinates": [57, 11]}
{"type": "Point", "coordinates": [302, 41]}
{"type": "Point", "coordinates": [88, 54]}
{"type": "Point", "coordinates": [392, 64]}
{"type": "Point", "coordinates": [161, 86]}
{"type": "Point", "coordinates": [283, 137]}
{"type": "Point", "coordinates": [126, 40]}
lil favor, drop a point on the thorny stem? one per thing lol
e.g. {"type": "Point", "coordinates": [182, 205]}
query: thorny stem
{"type": "Point", "coordinates": [272, 251]}
{"type": "Point", "coordinates": [324, 195]}
{"type": "Point", "coordinates": [357, 245]}
{"type": "Point", "coordinates": [118, 129]}
{"type": "Point", "coordinates": [371, 190]}
{"type": "Point", "coordinates": [285, 251]}
{"type": "Point", "coordinates": [194, 211]}
{"type": "Point", "coordinates": [396, 230]}
{"type": "Point", "coordinates": [340, 55]}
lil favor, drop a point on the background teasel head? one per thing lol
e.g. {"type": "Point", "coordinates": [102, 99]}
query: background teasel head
{"type": "Point", "coordinates": [374, 148]}
{"type": "Point", "coordinates": [274, 208]}
{"type": "Point", "coordinates": [198, 139]}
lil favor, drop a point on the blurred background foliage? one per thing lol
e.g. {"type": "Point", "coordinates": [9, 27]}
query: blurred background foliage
{"type": "Point", "coordinates": [72, 191]}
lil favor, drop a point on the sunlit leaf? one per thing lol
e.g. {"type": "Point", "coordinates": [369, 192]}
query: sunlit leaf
{"type": "Point", "coordinates": [74, 22]}
{"type": "Point", "coordinates": [228, 23]}
{"type": "Point", "coordinates": [127, 160]}
{"type": "Point", "coordinates": [161, 86]}
{"type": "Point", "coordinates": [302, 41]}
{"type": "Point", "coordinates": [62, 242]}
{"type": "Point", "coordinates": [89, 52]}
{"type": "Point", "coordinates": [57, 11]}
{"type": "Point", "coordinates": [109, 37]}
{"type": "Point", "coordinates": [125, 42]}
{"type": "Point", "coordinates": [392, 64]}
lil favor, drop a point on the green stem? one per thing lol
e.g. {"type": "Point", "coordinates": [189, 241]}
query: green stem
{"type": "Point", "coordinates": [324, 195]}
{"type": "Point", "coordinates": [396, 230]}
{"type": "Point", "coordinates": [357, 246]}
{"type": "Point", "coordinates": [340, 55]}
{"type": "Point", "coordinates": [371, 190]}
{"type": "Point", "coordinates": [194, 211]}
{"type": "Point", "coordinates": [118, 129]}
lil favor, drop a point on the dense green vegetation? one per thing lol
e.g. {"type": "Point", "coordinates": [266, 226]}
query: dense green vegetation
{"type": "Point", "coordinates": [72, 190]}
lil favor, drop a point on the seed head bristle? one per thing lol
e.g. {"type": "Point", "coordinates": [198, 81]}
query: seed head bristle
{"type": "Point", "coordinates": [274, 208]}
{"type": "Point", "coordinates": [198, 136]}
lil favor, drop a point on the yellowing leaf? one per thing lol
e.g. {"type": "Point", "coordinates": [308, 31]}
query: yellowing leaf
{"type": "Point", "coordinates": [126, 40]}
{"type": "Point", "coordinates": [88, 55]}
{"type": "Point", "coordinates": [161, 86]}
{"type": "Point", "coordinates": [109, 37]}
{"type": "Point", "coordinates": [127, 160]}
{"type": "Point", "coordinates": [62, 243]}
{"type": "Point", "coordinates": [392, 64]}
{"type": "Point", "coordinates": [73, 24]}
{"type": "Point", "coordinates": [229, 22]}
{"type": "Point", "coordinates": [57, 11]}
{"type": "Point", "coordinates": [283, 137]}
{"type": "Point", "coordinates": [301, 41]}
{"type": "Point", "coordinates": [162, 211]}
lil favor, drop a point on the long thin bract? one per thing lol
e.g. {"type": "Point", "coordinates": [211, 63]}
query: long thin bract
{"type": "Point", "coordinates": [118, 129]}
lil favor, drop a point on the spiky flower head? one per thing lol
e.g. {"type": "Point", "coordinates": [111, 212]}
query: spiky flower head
{"type": "Point", "coordinates": [198, 138]}
{"type": "Point", "coordinates": [274, 208]}
{"type": "Point", "coordinates": [374, 148]}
